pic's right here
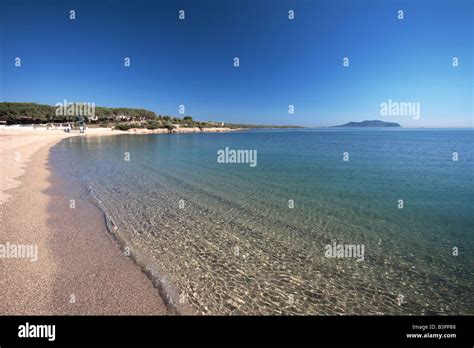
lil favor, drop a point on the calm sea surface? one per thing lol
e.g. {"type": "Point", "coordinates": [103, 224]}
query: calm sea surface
{"type": "Point", "coordinates": [226, 239]}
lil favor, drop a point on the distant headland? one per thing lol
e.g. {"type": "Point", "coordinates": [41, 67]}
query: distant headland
{"type": "Point", "coordinates": [373, 123]}
{"type": "Point", "coordinates": [14, 113]}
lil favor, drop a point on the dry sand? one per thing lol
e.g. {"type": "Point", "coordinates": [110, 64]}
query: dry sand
{"type": "Point", "coordinates": [77, 259]}
{"type": "Point", "coordinates": [17, 146]}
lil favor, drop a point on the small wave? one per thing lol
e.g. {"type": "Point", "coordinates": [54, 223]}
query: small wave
{"type": "Point", "coordinates": [159, 280]}
{"type": "Point", "coordinates": [109, 221]}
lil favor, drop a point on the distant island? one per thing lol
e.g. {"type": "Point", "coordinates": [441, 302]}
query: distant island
{"type": "Point", "coordinates": [373, 123]}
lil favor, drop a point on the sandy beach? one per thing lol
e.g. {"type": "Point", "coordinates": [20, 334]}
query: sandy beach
{"type": "Point", "coordinates": [79, 268]}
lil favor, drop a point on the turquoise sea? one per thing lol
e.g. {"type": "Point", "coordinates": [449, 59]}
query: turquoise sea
{"type": "Point", "coordinates": [228, 238]}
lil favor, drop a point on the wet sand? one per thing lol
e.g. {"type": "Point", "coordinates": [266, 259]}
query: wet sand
{"type": "Point", "coordinates": [80, 268]}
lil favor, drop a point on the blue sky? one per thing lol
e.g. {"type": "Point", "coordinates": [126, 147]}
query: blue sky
{"type": "Point", "coordinates": [282, 61]}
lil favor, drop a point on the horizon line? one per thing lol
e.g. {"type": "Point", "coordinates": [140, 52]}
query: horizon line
{"type": "Point", "coordinates": [259, 124]}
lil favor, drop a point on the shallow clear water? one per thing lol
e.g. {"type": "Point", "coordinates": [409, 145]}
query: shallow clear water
{"type": "Point", "coordinates": [237, 247]}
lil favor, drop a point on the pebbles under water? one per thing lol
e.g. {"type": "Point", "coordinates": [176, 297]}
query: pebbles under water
{"type": "Point", "coordinates": [222, 239]}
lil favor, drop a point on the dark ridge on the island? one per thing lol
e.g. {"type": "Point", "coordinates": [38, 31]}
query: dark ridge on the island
{"type": "Point", "coordinates": [373, 123]}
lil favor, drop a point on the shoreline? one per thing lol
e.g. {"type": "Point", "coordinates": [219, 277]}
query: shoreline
{"type": "Point", "coordinates": [18, 144]}
{"type": "Point", "coordinates": [80, 268]}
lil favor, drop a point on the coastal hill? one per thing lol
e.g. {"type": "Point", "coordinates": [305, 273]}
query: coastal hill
{"type": "Point", "coordinates": [119, 118]}
{"type": "Point", "coordinates": [373, 123]}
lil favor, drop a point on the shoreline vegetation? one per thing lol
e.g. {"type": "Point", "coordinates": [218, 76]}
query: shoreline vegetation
{"type": "Point", "coordinates": [139, 121]}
